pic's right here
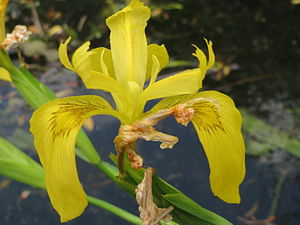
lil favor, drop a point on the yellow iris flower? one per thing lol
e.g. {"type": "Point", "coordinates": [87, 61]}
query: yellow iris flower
{"type": "Point", "coordinates": [123, 71]}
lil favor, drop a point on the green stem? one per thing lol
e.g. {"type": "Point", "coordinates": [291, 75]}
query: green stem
{"type": "Point", "coordinates": [115, 210]}
{"type": "Point", "coordinates": [110, 170]}
{"type": "Point", "coordinates": [275, 200]}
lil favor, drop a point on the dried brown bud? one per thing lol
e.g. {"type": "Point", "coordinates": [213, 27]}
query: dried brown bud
{"type": "Point", "coordinates": [12, 40]}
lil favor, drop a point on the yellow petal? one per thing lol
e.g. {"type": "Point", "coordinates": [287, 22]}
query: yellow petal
{"type": "Point", "coordinates": [128, 42]}
{"type": "Point", "coordinates": [161, 54]}
{"type": "Point", "coordinates": [218, 124]}
{"type": "Point", "coordinates": [182, 83]}
{"type": "Point", "coordinates": [154, 70]}
{"type": "Point", "coordinates": [95, 67]}
{"type": "Point", "coordinates": [63, 54]}
{"type": "Point", "coordinates": [102, 61]}
{"type": "Point", "coordinates": [203, 64]}
{"type": "Point", "coordinates": [186, 82]}
{"type": "Point", "coordinates": [55, 126]}
{"type": "Point", "coordinates": [211, 55]}
{"type": "Point", "coordinates": [4, 74]}
{"type": "Point", "coordinates": [81, 59]}
{"type": "Point", "coordinates": [99, 81]}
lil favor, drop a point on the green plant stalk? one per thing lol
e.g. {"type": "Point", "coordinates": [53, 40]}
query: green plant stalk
{"type": "Point", "coordinates": [108, 169]}
{"type": "Point", "coordinates": [276, 198]}
{"type": "Point", "coordinates": [115, 210]}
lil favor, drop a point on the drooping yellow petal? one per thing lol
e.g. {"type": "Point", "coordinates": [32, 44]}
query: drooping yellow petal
{"type": "Point", "coordinates": [218, 125]}
{"type": "Point", "coordinates": [161, 54]}
{"type": "Point", "coordinates": [128, 42]}
{"type": "Point", "coordinates": [55, 126]}
{"type": "Point", "coordinates": [4, 74]}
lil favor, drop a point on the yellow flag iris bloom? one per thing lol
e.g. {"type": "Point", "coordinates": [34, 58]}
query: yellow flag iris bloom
{"type": "Point", "coordinates": [123, 71]}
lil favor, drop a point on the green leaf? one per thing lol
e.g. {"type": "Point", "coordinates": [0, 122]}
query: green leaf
{"type": "Point", "coordinates": [17, 165]}
{"type": "Point", "coordinates": [192, 208]}
{"type": "Point", "coordinates": [263, 137]}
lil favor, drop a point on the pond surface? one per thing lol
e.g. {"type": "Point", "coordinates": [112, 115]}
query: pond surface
{"type": "Point", "coordinates": [272, 176]}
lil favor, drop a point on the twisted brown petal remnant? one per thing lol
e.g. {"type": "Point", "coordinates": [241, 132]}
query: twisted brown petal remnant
{"type": "Point", "coordinates": [19, 34]}
{"type": "Point", "coordinates": [149, 212]}
{"type": "Point", "coordinates": [143, 129]}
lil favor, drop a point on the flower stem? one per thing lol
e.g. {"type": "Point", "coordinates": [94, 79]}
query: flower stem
{"type": "Point", "coordinates": [275, 201]}
{"type": "Point", "coordinates": [115, 210]}
{"type": "Point", "coordinates": [110, 170]}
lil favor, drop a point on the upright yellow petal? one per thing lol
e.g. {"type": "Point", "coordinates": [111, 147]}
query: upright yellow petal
{"type": "Point", "coordinates": [186, 82]}
{"type": "Point", "coordinates": [218, 124]}
{"type": "Point", "coordinates": [128, 43]}
{"type": "Point", "coordinates": [4, 74]}
{"type": "Point", "coordinates": [204, 63]}
{"type": "Point", "coordinates": [55, 127]}
{"type": "Point", "coordinates": [102, 61]}
{"type": "Point", "coordinates": [94, 67]}
{"type": "Point", "coordinates": [161, 54]}
{"type": "Point", "coordinates": [154, 70]}
{"type": "Point", "coordinates": [63, 54]}
{"type": "Point", "coordinates": [182, 83]}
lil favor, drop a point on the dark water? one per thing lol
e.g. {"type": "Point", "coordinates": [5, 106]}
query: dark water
{"type": "Point", "coordinates": [185, 167]}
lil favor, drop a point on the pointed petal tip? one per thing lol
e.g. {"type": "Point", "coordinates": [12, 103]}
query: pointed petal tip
{"type": "Point", "coordinates": [67, 41]}
{"type": "Point", "coordinates": [63, 54]}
